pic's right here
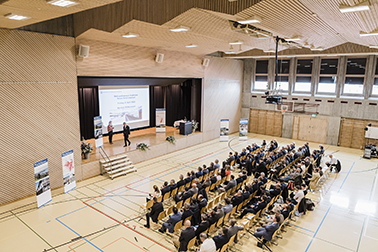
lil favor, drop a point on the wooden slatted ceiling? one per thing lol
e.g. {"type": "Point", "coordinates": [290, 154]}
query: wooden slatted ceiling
{"type": "Point", "coordinates": [265, 122]}
{"type": "Point", "coordinates": [38, 109]}
{"type": "Point", "coordinates": [352, 133]}
{"type": "Point", "coordinates": [40, 10]}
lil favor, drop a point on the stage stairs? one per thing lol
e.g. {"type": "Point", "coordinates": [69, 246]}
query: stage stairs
{"type": "Point", "coordinates": [115, 165]}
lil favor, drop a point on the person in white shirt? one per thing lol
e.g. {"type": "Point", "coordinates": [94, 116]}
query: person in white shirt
{"type": "Point", "coordinates": [333, 163]}
{"type": "Point", "coordinates": [298, 196]}
{"type": "Point", "coordinates": [155, 193]}
{"type": "Point", "coordinates": [208, 245]}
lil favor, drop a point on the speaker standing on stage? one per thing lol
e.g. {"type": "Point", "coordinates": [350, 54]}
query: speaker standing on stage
{"type": "Point", "coordinates": [126, 133]}
{"type": "Point", "coordinates": [110, 132]}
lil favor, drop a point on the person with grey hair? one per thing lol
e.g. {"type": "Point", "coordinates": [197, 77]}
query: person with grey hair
{"type": "Point", "coordinates": [186, 235]}
{"type": "Point", "coordinates": [208, 244]}
{"type": "Point", "coordinates": [233, 229]}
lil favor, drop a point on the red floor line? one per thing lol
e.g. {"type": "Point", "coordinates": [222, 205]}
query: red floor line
{"type": "Point", "coordinates": [202, 156]}
{"type": "Point", "coordinates": [127, 227]}
{"type": "Point", "coordinates": [125, 240]}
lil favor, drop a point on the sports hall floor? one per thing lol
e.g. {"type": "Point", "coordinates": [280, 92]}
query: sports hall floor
{"type": "Point", "coordinates": [345, 217]}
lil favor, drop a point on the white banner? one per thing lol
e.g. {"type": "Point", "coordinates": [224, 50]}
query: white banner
{"type": "Point", "coordinates": [98, 131]}
{"type": "Point", "coordinates": [224, 130]}
{"type": "Point", "coordinates": [243, 129]}
{"type": "Point", "coordinates": [68, 171]}
{"type": "Point", "coordinates": [42, 182]}
{"type": "Point", "coordinates": [160, 120]}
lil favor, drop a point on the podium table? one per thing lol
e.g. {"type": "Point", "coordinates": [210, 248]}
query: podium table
{"type": "Point", "coordinates": [185, 128]}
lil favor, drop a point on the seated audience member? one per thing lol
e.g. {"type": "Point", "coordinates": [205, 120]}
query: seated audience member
{"type": "Point", "coordinates": [267, 232]}
{"type": "Point", "coordinates": [205, 170]}
{"type": "Point", "coordinates": [221, 239]}
{"type": "Point", "coordinates": [208, 244]}
{"type": "Point", "coordinates": [155, 193]}
{"type": "Point", "coordinates": [199, 173]}
{"type": "Point", "coordinates": [183, 195]}
{"type": "Point", "coordinates": [237, 198]}
{"type": "Point", "coordinates": [216, 165]}
{"type": "Point", "coordinates": [172, 185]}
{"type": "Point", "coordinates": [203, 226]}
{"type": "Point", "coordinates": [228, 207]}
{"type": "Point", "coordinates": [254, 209]}
{"type": "Point", "coordinates": [202, 202]}
{"type": "Point", "coordinates": [165, 188]}
{"type": "Point", "coordinates": [229, 159]}
{"type": "Point", "coordinates": [211, 167]}
{"type": "Point", "coordinates": [271, 218]}
{"type": "Point", "coordinates": [216, 214]}
{"type": "Point", "coordinates": [263, 178]}
{"type": "Point", "coordinates": [276, 190]}
{"type": "Point", "coordinates": [246, 192]}
{"type": "Point", "coordinates": [188, 178]}
{"type": "Point", "coordinates": [187, 212]}
{"type": "Point", "coordinates": [194, 189]}
{"type": "Point", "coordinates": [334, 163]}
{"type": "Point", "coordinates": [156, 209]}
{"type": "Point", "coordinates": [206, 183]}
{"type": "Point", "coordinates": [233, 229]}
{"type": "Point", "coordinates": [181, 181]}
{"type": "Point", "coordinates": [239, 179]}
{"type": "Point", "coordinates": [231, 184]}
{"type": "Point", "coordinates": [186, 235]}
{"type": "Point", "coordinates": [313, 181]}
{"type": "Point", "coordinates": [298, 195]}
{"type": "Point", "coordinates": [293, 175]}
{"type": "Point", "coordinates": [171, 222]}
{"type": "Point", "coordinates": [195, 210]}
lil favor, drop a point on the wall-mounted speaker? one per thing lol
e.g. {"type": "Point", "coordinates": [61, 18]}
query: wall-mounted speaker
{"type": "Point", "coordinates": [205, 62]}
{"type": "Point", "coordinates": [159, 57]}
{"type": "Point", "coordinates": [83, 51]}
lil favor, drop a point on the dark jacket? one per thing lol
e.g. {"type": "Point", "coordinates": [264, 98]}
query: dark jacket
{"type": "Point", "coordinates": [156, 209]}
{"type": "Point", "coordinates": [202, 227]}
{"type": "Point", "coordinates": [186, 235]}
{"type": "Point", "coordinates": [126, 130]}
{"type": "Point", "coordinates": [220, 240]}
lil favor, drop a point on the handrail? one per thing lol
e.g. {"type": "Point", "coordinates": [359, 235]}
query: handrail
{"type": "Point", "coordinates": [106, 157]}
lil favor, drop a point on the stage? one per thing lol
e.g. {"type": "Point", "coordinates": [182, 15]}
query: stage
{"type": "Point", "coordinates": [156, 142]}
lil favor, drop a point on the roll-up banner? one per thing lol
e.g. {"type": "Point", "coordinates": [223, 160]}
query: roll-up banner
{"type": "Point", "coordinates": [160, 120]}
{"type": "Point", "coordinates": [243, 129]}
{"type": "Point", "coordinates": [224, 130]}
{"type": "Point", "coordinates": [69, 180]}
{"type": "Point", "coordinates": [42, 182]}
{"type": "Point", "coordinates": [98, 131]}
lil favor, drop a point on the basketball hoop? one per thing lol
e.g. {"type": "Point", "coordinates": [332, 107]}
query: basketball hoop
{"type": "Point", "coordinates": [284, 109]}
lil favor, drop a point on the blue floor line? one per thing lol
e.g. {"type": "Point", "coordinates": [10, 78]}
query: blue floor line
{"type": "Point", "coordinates": [79, 235]}
{"type": "Point", "coordinates": [308, 230]}
{"type": "Point", "coordinates": [321, 223]}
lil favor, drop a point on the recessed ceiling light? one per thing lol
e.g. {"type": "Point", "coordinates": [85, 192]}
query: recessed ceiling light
{"type": "Point", "coordinates": [317, 49]}
{"type": "Point", "coordinates": [230, 52]}
{"type": "Point", "coordinates": [130, 35]}
{"type": "Point", "coordinates": [293, 39]}
{"type": "Point", "coordinates": [191, 46]}
{"type": "Point", "coordinates": [358, 7]}
{"type": "Point", "coordinates": [373, 46]}
{"type": "Point", "coordinates": [236, 43]}
{"type": "Point", "coordinates": [314, 14]}
{"type": "Point", "coordinates": [180, 29]}
{"type": "Point", "coordinates": [365, 34]}
{"type": "Point", "coordinates": [16, 17]}
{"type": "Point", "coordinates": [332, 55]}
{"type": "Point", "coordinates": [269, 51]}
{"type": "Point", "coordinates": [250, 20]}
{"type": "Point", "coordinates": [63, 3]}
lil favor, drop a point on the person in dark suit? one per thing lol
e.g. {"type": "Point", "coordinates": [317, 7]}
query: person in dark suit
{"type": "Point", "coordinates": [221, 239]}
{"type": "Point", "coordinates": [202, 202]}
{"type": "Point", "coordinates": [183, 195]}
{"type": "Point", "coordinates": [171, 222]}
{"type": "Point", "coordinates": [203, 226]}
{"type": "Point", "coordinates": [268, 231]}
{"type": "Point", "coordinates": [172, 185]}
{"type": "Point", "coordinates": [237, 198]}
{"type": "Point", "coordinates": [165, 189]}
{"type": "Point", "coordinates": [181, 181]}
{"type": "Point", "coordinates": [254, 209]}
{"type": "Point", "coordinates": [187, 212]}
{"type": "Point", "coordinates": [126, 133]}
{"type": "Point", "coordinates": [110, 132]}
{"type": "Point", "coordinates": [186, 235]}
{"type": "Point", "coordinates": [228, 160]}
{"type": "Point", "coordinates": [156, 209]}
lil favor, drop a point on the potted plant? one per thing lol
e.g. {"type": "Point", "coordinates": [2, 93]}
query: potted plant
{"type": "Point", "coordinates": [86, 149]}
{"type": "Point", "coordinates": [171, 139]}
{"type": "Point", "coordinates": [142, 146]}
{"type": "Point", "coordinates": [194, 125]}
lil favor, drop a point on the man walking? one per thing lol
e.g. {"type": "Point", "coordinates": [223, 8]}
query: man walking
{"type": "Point", "coordinates": [126, 133]}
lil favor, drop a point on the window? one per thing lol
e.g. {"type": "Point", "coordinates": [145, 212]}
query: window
{"type": "Point", "coordinates": [282, 79]}
{"type": "Point", "coordinates": [328, 76]}
{"type": "Point", "coordinates": [375, 84]}
{"type": "Point", "coordinates": [355, 76]}
{"type": "Point", "coordinates": [261, 77]}
{"type": "Point", "coordinates": [303, 76]}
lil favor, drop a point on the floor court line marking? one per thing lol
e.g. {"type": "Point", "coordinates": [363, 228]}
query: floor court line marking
{"type": "Point", "coordinates": [125, 240]}
{"type": "Point", "coordinates": [321, 223]}
{"type": "Point", "coordinates": [308, 230]}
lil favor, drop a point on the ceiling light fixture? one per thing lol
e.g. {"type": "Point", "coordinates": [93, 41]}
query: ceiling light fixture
{"type": "Point", "coordinates": [269, 51]}
{"type": "Point", "coordinates": [16, 17]}
{"type": "Point", "coordinates": [191, 46]}
{"type": "Point", "coordinates": [130, 35]}
{"type": "Point", "coordinates": [317, 49]}
{"type": "Point", "coordinates": [230, 52]}
{"type": "Point", "coordinates": [365, 34]}
{"type": "Point", "coordinates": [251, 20]}
{"type": "Point", "coordinates": [358, 7]}
{"type": "Point", "coordinates": [180, 29]}
{"type": "Point", "coordinates": [373, 46]}
{"type": "Point", "coordinates": [236, 43]}
{"type": "Point", "coordinates": [63, 3]}
{"type": "Point", "coordinates": [294, 38]}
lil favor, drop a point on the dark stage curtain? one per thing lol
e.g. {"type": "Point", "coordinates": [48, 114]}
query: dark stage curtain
{"type": "Point", "coordinates": [88, 109]}
{"type": "Point", "coordinates": [156, 101]}
{"type": "Point", "coordinates": [178, 102]}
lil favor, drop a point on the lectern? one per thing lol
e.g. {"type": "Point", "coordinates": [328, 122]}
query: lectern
{"type": "Point", "coordinates": [185, 128]}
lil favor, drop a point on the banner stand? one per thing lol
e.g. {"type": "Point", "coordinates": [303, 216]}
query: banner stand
{"type": "Point", "coordinates": [243, 129]}
{"type": "Point", "coordinates": [98, 131]}
{"type": "Point", "coordinates": [42, 182]}
{"type": "Point", "coordinates": [69, 180]}
{"type": "Point", "coordinates": [160, 120]}
{"type": "Point", "coordinates": [224, 130]}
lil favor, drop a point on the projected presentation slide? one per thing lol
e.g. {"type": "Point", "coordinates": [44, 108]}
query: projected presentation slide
{"type": "Point", "coordinates": [130, 105]}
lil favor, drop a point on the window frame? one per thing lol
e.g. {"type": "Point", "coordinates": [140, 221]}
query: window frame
{"type": "Point", "coordinates": [375, 76]}
{"type": "Point", "coordinates": [354, 75]}
{"type": "Point", "coordinates": [311, 75]}
{"type": "Point", "coordinates": [327, 75]}
{"type": "Point", "coordinates": [260, 74]}
{"type": "Point", "coordinates": [283, 75]}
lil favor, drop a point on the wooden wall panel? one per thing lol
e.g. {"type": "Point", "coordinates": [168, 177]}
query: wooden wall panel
{"type": "Point", "coordinates": [265, 122]}
{"type": "Point", "coordinates": [309, 128]}
{"type": "Point", "coordinates": [38, 109]}
{"type": "Point", "coordinates": [352, 133]}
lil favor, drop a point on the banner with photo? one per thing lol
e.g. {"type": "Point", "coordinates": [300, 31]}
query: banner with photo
{"type": "Point", "coordinates": [98, 131]}
{"type": "Point", "coordinates": [224, 130]}
{"type": "Point", "coordinates": [243, 129]}
{"type": "Point", "coordinates": [42, 182]}
{"type": "Point", "coordinates": [69, 180]}
{"type": "Point", "coordinates": [160, 120]}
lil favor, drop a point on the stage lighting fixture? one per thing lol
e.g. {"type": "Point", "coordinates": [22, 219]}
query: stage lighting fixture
{"type": "Point", "coordinates": [250, 20]}
{"type": "Point", "coordinates": [63, 3]}
{"type": "Point", "coordinates": [16, 17]}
